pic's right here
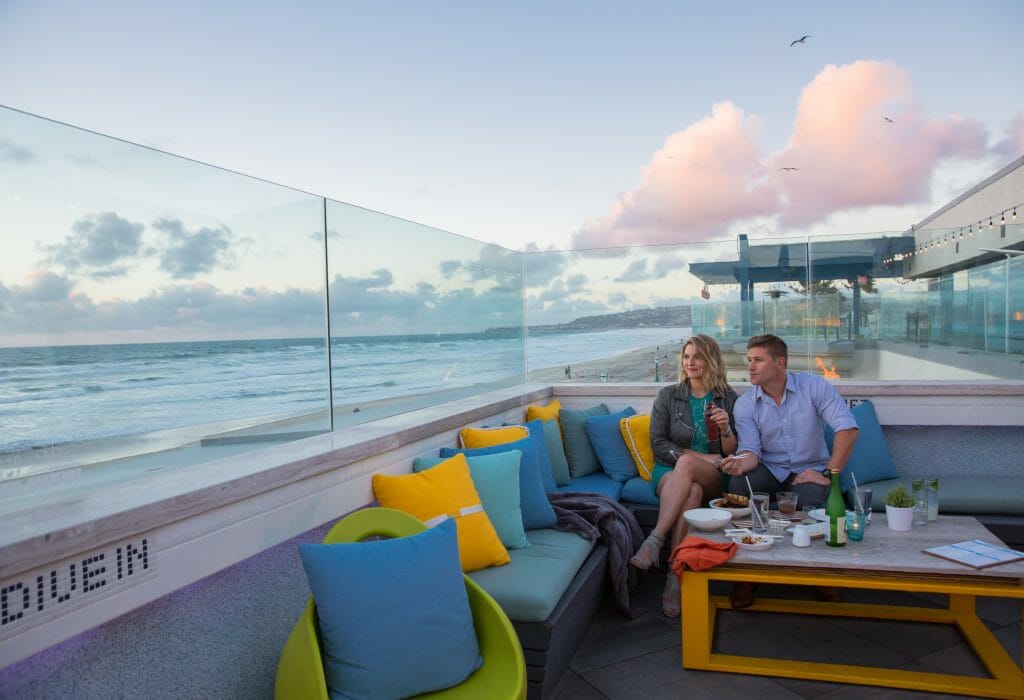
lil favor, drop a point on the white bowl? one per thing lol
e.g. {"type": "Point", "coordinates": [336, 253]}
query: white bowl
{"type": "Point", "coordinates": [708, 518]}
{"type": "Point", "coordinates": [759, 542]}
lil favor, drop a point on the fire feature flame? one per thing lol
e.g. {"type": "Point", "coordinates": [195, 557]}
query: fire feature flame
{"type": "Point", "coordinates": [828, 372]}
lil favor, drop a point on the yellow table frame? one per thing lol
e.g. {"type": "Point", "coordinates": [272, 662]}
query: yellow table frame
{"type": "Point", "coordinates": [699, 609]}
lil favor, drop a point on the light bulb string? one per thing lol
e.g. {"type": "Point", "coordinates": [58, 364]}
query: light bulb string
{"type": "Point", "coordinates": [958, 233]}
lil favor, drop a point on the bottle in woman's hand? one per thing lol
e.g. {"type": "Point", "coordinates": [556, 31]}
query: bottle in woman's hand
{"type": "Point", "coordinates": [709, 424]}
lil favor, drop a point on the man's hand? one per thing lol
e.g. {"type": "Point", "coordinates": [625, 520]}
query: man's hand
{"type": "Point", "coordinates": [811, 476]}
{"type": "Point", "coordinates": [737, 464]}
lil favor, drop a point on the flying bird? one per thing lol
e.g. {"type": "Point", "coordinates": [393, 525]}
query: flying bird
{"type": "Point", "coordinates": [801, 40]}
{"type": "Point", "coordinates": [788, 169]}
{"type": "Point", "coordinates": [888, 120]}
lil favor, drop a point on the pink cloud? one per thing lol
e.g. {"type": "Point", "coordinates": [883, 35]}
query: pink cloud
{"type": "Point", "coordinates": [701, 180]}
{"type": "Point", "coordinates": [846, 153]}
{"type": "Point", "coordinates": [1012, 147]}
{"type": "Point", "coordinates": [849, 155]}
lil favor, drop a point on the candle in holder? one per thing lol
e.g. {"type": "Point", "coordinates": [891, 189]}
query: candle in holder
{"type": "Point", "coordinates": [855, 524]}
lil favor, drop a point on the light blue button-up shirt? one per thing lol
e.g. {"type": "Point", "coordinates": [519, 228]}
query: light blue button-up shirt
{"type": "Point", "coordinates": [789, 437]}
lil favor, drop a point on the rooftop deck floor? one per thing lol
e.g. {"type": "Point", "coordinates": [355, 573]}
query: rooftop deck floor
{"type": "Point", "coordinates": [627, 659]}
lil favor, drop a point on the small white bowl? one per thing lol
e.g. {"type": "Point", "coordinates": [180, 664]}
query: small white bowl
{"type": "Point", "coordinates": [759, 542]}
{"type": "Point", "coordinates": [708, 518]}
{"type": "Point", "coordinates": [720, 504]}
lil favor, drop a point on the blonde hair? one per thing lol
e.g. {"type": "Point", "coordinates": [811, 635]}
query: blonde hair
{"type": "Point", "coordinates": [707, 349]}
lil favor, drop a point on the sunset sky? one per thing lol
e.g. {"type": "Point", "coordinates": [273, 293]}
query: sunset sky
{"type": "Point", "coordinates": [535, 126]}
{"type": "Point", "coordinates": [559, 124]}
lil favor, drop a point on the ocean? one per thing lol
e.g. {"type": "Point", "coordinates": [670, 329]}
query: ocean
{"type": "Point", "coordinates": [61, 394]}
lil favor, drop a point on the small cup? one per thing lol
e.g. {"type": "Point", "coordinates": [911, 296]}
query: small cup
{"type": "Point", "coordinates": [856, 521]}
{"type": "Point", "coordinates": [865, 501]}
{"type": "Point", "coordinates": [801, 537]}
{"type": "Point", "coordinates": [787, 502]}
{"type": "Point", "coordinates": [806, 510]}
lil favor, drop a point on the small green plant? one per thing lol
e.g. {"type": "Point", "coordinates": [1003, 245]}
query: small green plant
{"type": "Point", "coordinates": [899, 498]}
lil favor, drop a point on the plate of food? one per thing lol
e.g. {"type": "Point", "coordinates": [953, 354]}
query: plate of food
{"type": "Point", "coordinates": [817, 529]}
{"type": "Point", "coordinates": [753, 542]}
{"type": "Point", "coordinates": [736, 504]}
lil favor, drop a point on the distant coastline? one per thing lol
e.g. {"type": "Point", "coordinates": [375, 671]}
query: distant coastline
{"type": "Point", "coordinates": [662, 317]}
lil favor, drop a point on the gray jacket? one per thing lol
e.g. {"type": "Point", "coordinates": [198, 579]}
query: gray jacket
{"type": "Point", "coordinates": [671, 425]}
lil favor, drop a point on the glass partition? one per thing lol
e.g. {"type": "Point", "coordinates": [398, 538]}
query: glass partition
{"type": "Point", "coordinates": [418, 316]}
{"type": "Point", "coordinates": [149, 302]}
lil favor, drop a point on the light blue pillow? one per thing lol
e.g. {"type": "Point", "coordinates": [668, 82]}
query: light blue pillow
{"type": "Point", "coordinates": [380, 637]}
{"type": "Point", "coordinates": [579, 453]}
{"type": "Point", "coordinates": [533, 501]}
{"type": "Point", "coordinates": [536, 429]}
{"type": "Point", "coordinates": [870, 459]}
{"type": "Point", "coordinates": [496, 478]}
{"type": "Point", "coordinates": [553, 440]}
{"type": "Point", "coordinates": [606, 439]}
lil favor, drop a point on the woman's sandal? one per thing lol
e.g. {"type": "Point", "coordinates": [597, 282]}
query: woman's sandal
{"type": "Point", "coordinates": [670, 596]}
{"type": "Point", "coordinates": [649, 553]}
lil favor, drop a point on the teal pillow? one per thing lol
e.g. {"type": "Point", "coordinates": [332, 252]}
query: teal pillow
{"type": "Point", "coordinates": [870, 459]}
{"type": "Point", "coordinates": [606, 439]}
{"type": "Point", "coordinates": [559, 465]}
{"type": "Point", "coordinates": [496, 478]}
{"type": "Point", "coordinates": [379, 638]}
{"type": "Point", "coordinates": [579, 453]}
{"type": "Point", "coordinates": [536, 430]}
{"type": "Point", "coordinates": [533, 500]}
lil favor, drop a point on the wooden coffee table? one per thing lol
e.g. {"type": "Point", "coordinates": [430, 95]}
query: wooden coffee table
{"type": "Point", "coordinates": [884, 560]}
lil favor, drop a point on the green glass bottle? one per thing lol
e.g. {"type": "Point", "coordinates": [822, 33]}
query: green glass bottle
{"type": "Point", "coordinates": [835, 509]}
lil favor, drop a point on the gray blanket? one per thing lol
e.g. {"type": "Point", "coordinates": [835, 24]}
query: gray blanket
{"type": "Point", "coordinates": [592, 515]}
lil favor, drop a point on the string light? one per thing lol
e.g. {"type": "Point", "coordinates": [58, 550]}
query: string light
{"type": "Point", "coordinates": [1014, 213]}
{"type": "Point", "coordinates": [1002, 218]}
{"type": "Point", "coordinates": [990, 223]}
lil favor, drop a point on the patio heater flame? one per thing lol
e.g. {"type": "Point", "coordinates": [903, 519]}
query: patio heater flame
{"type": "Point", "coordinates": [828, 372]}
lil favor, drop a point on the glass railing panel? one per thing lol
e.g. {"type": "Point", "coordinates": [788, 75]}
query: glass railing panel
{"type": "Point", "coordinates": [418, 316]}
{"type": "Point", "coordinates": [154, 312]}
{"type": "Point", "coordinates": [620, 314]}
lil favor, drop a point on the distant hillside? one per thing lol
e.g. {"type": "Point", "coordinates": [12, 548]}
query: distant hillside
{"type": "Point", "coordinates": [664, 317]}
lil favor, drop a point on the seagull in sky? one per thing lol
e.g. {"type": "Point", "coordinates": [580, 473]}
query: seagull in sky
{"type": "Point", "coordinates": [888, 120]}
{"type": "Point", "coordinates": [787, 169]}
{"type": "Point", "coordinates": [801, 40]}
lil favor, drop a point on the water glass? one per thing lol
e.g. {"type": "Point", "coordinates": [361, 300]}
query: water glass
{"type": "Point", "coordinates": [759, 500]}
{"type": "Point", "coordinates": [856, 521]}
{"type": "Point", "coordinates": [864, 494]}
{"type": "Point", "coordinates": [932, 484]}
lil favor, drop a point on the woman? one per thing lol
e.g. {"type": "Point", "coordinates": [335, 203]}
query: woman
{"type": "Point", "coordinates": [679, 437]}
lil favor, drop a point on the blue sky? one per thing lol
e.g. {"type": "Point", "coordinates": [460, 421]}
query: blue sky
{"type": "Point", "coordinates": [536, 126]}
{"type": "Point", "coordinates": [510, 123]}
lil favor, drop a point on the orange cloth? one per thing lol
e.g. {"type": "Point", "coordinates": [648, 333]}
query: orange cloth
{"type": "Point", "coordinates": [699, 553]}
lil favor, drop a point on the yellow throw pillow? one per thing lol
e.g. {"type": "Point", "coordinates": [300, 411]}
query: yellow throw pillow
{"type": "Point", "coordinates": [470, 438]}
{"type": "Point", "coordinates": [549, 412]}
{"type": "Point", "coordinates": [636, 431]}
{"type": "Point", "coordinates": [446, 491]}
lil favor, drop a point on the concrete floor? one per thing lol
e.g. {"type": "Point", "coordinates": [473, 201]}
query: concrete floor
{"type": "Point", "coordinates": [628, 659]}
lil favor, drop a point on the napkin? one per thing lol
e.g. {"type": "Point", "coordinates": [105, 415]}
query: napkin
{"type": "Point", "coordinates": [698, 553]}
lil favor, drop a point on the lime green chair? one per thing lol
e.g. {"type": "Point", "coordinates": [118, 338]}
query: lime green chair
{"type": "Point", "coordinates": [300, 671]}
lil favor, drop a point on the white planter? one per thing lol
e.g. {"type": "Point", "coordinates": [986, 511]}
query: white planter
{"type": "Point", "coordinates": [900, 519]}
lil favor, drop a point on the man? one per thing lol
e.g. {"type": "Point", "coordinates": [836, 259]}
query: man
{"type": "Point", "coordinates": [780, 422]}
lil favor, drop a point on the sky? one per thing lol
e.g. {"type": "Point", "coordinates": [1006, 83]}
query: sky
{"type": "Point", "coordinates": [533, 125]}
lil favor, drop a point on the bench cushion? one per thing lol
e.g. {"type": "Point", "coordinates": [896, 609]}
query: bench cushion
{"type": "Point", "coordinates": [529, 587]}
{"type": "Point", "coordinates": [639, 490]}
{"type": "Point", "coordinates": [598, 482]}
{"type": "Point", "coordinates": [964, 495]}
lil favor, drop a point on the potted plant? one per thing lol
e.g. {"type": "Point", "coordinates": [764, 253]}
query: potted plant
{"type": "Point", "coordinates": [899, 509]}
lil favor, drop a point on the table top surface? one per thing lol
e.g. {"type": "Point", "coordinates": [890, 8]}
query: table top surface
{"type": "Point", "coordinates": [885, 550]}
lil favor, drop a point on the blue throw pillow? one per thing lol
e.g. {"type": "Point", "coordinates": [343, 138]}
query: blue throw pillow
{"type": "Point", "coordinates": [606, 439]}
{"type": "Point", "coordinates": [496, 478]}
{"type": "Point", "coordinates": [870, 459]}
{"type": "Point", "coordinates": [379, 637]}
{"type": "Point", "coordinates": [536, 428]}
{"type": "Point", "coordinates": [578, 450]}
{"type": "Point", "coordinates": [553, 440]}
{"type": "Point", "coordinates": [533, 501]}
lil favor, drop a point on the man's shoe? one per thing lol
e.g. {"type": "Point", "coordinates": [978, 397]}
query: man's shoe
{"type": "Point", "coordinates": [742, 595]}
{"type": "Point", "coordinates": [829, 594]}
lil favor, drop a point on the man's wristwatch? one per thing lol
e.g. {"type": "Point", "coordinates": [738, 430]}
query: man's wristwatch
{"type": "Point", "coordinates": [827, 473]}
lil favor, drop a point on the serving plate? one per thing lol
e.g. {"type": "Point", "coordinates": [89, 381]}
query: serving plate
{"type": "Point", "coordinates": [719, 503]}
{"type": "Point", "coordinates": [819, 514]}
{"type": "Point", "coordinates": [816, 530]}
{"type": "Point", "coordinates": [762, 542]}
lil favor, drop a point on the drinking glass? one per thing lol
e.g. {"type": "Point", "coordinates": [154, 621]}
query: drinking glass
{"type": "Point", "coordinates": [759, 500]}
{"type": "Point", "coordinates": [787, 502]}
{"type": "Point", "coordinates": [856, 521]}
{"type": "Point", "coordinates": [865, 502]}
{"type": "Point", "coordinates": [920, 502]}
{"type": "Point", "coordinates": [932, 484]}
